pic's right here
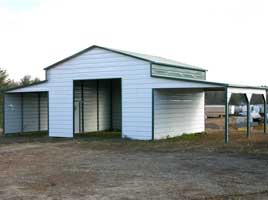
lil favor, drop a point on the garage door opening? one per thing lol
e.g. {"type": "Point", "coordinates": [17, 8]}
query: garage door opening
{"type": "Point", "coordinates": [97, 106]}
{"type": "Point", "coordinates": [177, 112]}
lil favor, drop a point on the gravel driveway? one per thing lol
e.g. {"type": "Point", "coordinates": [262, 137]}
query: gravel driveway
{"type": "Point", "coordinates": [202, 168]}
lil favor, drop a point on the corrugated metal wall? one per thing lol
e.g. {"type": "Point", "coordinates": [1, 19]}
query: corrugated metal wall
{"type": "Point", "coordinates": [178, 112]}
{"type": "Point", "coordinates": [90, 106]}
{"type": "Point", "coordinates": [104, 105]}
{"type": "Point", "coordinates": [30, 112]}
{"type": "Point", "coordinates": [26, 112]}
{"type": "Point", "coordinates": [116, 105]}
{"type": "Point", "coordinates": [12, 115]}
{"type": "Point", "coordinates": [43, 111]}
{"type": "Point", "coordinates": [101, 101]}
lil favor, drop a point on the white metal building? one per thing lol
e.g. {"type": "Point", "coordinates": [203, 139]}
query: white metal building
{"type": "Point", "coordinates": [101, 89]}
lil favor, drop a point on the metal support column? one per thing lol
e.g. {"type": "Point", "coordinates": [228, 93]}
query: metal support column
{"type": "Point", "coordinates": [97, 88]}
{"type": "Point", "coordinates": [153, 100]}
{"type": "Point", "coordinates": [265, 115]}
{"type": "Point", "coordinates": [22, 110]}
{"type": "Point", "coordinates": [82, 106]}
{"type": "Point", "coordinates": [226, 117]}
{"type": "Point", "coordinates": [39, 111]}
{"type": "Point", "coordinates": [3, 113]}
{"type": "Point", "coordinates": [248, 117]}
{"type": "Point", "coordinates": [111, 105]}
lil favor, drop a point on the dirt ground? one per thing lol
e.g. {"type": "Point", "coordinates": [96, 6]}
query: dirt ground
{"type": "Point", "coordinates": [92, 167]}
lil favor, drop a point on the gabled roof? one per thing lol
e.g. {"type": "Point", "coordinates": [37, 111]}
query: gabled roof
{"type": "Point", "coordinates": [145, 57]}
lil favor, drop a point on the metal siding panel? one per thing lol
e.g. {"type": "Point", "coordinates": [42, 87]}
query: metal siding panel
{"type": "Point", "coordinates": [43, 112]}
{"type": "Point", "coordinates": [178, 112]}
{"type": "Point", "coordinates": [12, 117]}
{"type": "Point", "coordinates": [90, 106]}
{"type": "Point", "coordinates": [60, 110]}
{"type": "Point", "coordinates": [116, 105]}
{"type": "Point", "coordinates": [30, 112]}
{"type": "Point", "coordinates": [104, 105]}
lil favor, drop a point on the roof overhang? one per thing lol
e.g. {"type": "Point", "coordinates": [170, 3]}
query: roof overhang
{"type": "Point", "coordinates": [21, 87]}
{"type": "Point", "coordinates": [221, 86]}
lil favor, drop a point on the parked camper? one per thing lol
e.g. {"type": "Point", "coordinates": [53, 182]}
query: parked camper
{"type": "Point", "coordinates": [218, 110]}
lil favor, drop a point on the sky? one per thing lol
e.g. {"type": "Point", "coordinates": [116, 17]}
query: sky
{"type": "Point", "coordinates": [229, 38]}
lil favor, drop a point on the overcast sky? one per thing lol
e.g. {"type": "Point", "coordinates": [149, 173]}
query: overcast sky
{"type": "Point", "coordinates": [229, 38]}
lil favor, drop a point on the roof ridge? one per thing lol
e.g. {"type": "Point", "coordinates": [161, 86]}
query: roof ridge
{"type": "Point", "coordinates": [146, 57]}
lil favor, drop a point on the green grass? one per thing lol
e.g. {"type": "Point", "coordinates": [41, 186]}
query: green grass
{"type": "Point", "coordinates": [186, 137]}
{"type": "Point", "coordinates": [98, 135]}
{"type": "Point", "coordinates": [28, 134]}
{"type": "Point", "coordinates": [209, 142]}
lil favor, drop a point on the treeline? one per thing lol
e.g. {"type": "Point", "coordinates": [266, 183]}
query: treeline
{"type": "Point", "coordinates": [6, 83]}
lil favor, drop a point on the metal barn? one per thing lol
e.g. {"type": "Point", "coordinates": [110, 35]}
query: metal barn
{"type": "Point", "coordinates": [101, 89]}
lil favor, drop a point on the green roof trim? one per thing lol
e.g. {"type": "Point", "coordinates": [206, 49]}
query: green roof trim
{"type": "Point", "coordinates": [213, 83]}
{"type": "Point", "coordinates": [192, 80]}
{"type": "Point", "coordinates": [144, 57]}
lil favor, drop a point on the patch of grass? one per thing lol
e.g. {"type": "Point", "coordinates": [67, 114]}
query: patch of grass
{"type": "Point", "coordinates": [199, 142]}
{"type": "Point", "coordinates": [99, 135]}
{"type": "Point", "coordinates": [186, 137]}
{"type": "Point", "coordinates": [29, 137]}
{"type": "Point", "coordinates": [29, 134]}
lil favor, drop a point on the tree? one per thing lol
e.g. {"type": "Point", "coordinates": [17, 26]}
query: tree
{"type": "Point", "coordinates": [27, 80]}
{"type": "Point", "coordinates": [5, 82]}
{"type": "Point", "coordinates": [3, 79]}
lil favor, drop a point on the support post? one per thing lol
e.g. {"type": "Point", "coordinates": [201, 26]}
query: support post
{"type": "Point", "coordinates": [39, 111]}
{"type": "Point", "coordinates": [22, 110]}
{"type": "Point", "coordinates": [97, 87]}
{"type": "Point", "coordinates": [82, 106]}
{"type": "Point", "coordinates": [265, 115]}
{"type": "Point", "coordinates": [3, 113]}
{"type": "Point", "coordinates": [153, 93]}
{"type": "Point", "coordinates": [73, 109]}
{"type": "Point", "coordinates": [248, 114]}
{"type": "Point", "coordinates": [226, 116]}
{"type": "Point", "coordinates": [111, 105]}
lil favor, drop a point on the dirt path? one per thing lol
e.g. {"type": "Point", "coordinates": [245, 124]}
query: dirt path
{"type": "Point", "coordinates": [79, 169]}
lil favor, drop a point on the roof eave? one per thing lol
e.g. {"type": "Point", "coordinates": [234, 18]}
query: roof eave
{"type": "Point", "coordinates": [19, 87]}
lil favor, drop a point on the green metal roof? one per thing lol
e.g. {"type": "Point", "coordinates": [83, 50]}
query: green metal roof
{"type": "Point", "coordinates": [145, 57]}
{"type": "Point", "coordinates": [158, 60]}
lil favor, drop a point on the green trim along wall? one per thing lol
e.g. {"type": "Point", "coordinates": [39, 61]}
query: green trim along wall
{"type": "Point", "coordinates": [176, 72]}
